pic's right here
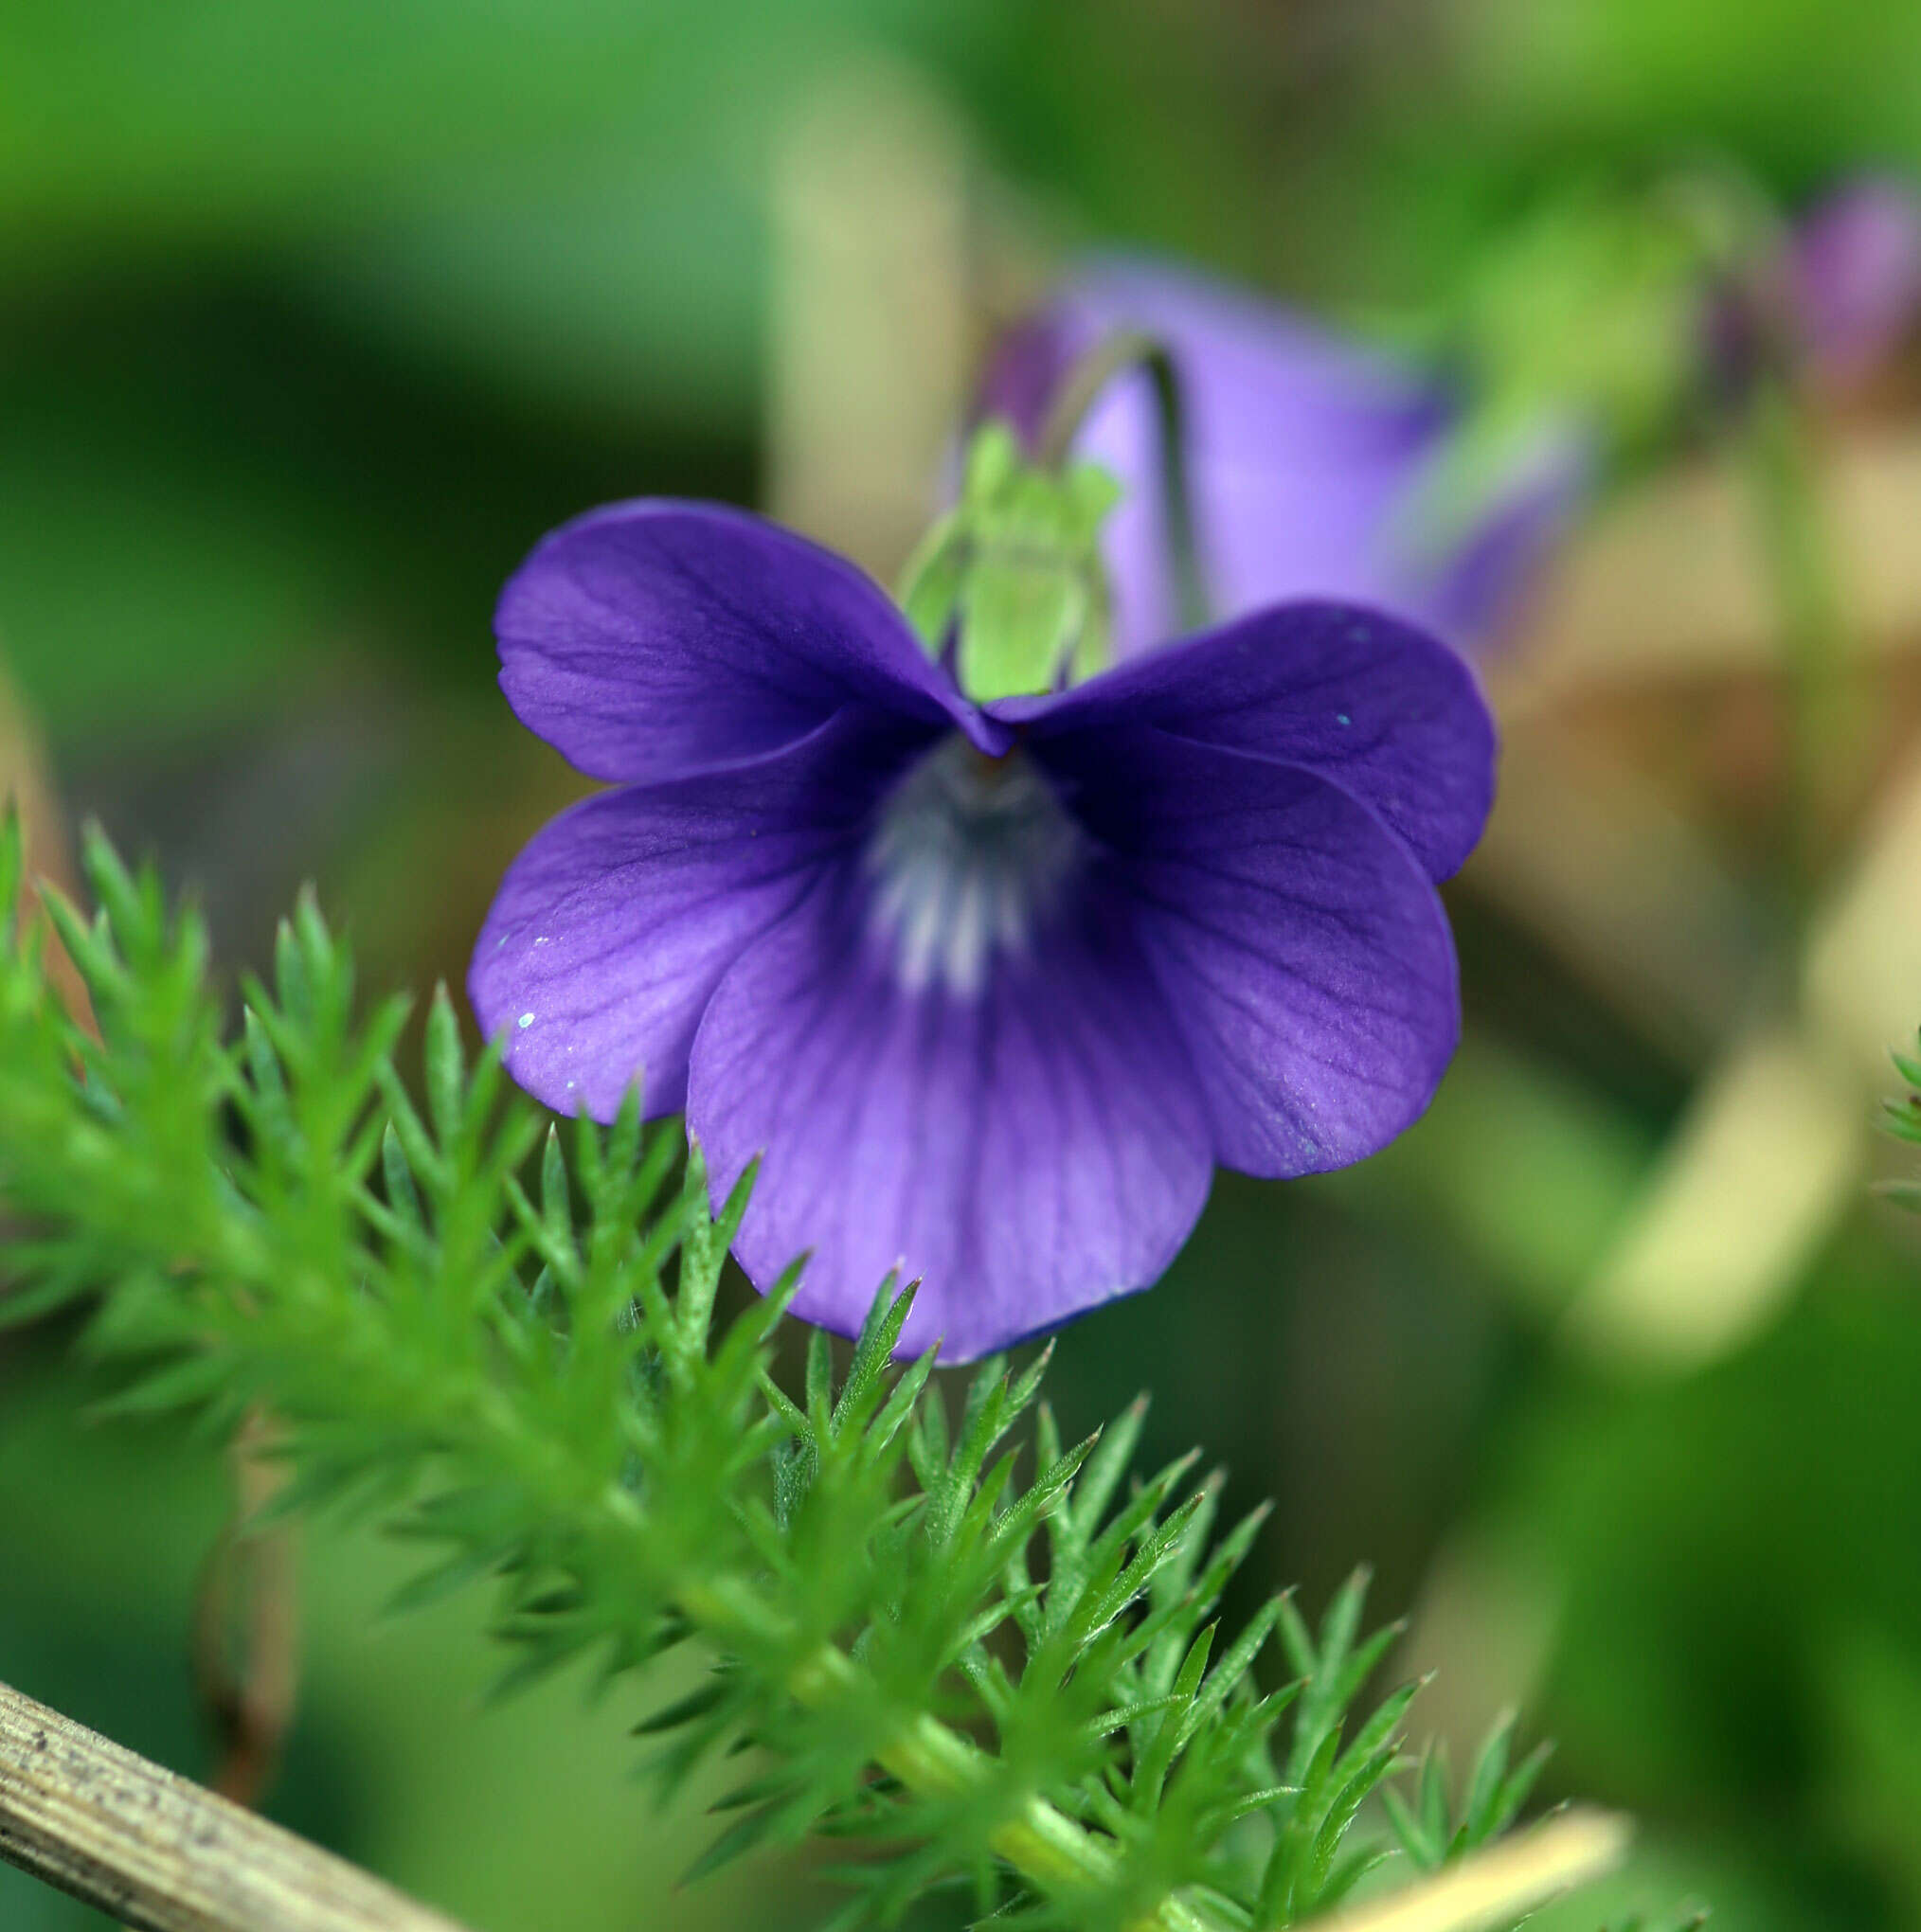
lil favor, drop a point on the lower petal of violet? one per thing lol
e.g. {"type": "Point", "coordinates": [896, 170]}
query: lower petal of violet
{"type": "Point", "coordinates": [1029, 1148]}
{"type": "Point", "coordinates": [613, 927]}
{"type": "Point", "coordinates": [1303, 952]}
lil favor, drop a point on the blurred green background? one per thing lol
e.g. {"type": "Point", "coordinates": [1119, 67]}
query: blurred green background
{"type": "Point", "coordinates": [314, 316]}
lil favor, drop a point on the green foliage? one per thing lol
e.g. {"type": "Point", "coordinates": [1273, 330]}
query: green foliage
{"type": "Point", "coordinates": [1583, 328]}
{"type": "Point", "coordinates": [1018, 1685]}
{"type": "Point", "coordinates": [1901, 1117]}
{"type": "Point", "coordinates": [1432, 1831]}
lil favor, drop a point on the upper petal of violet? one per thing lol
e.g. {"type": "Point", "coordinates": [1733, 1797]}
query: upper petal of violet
{"type": "Point", "coordinates": [1382, 709]}
{"type": "Point", "coordinates": [650, 640]}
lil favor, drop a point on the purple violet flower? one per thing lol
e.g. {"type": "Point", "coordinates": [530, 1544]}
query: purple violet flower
{"type": "Point", "coordinates": [993, 988]}
{"type": "Point", "coordinates": [1854, 274]}
{"type": "Point", "coordinates": [1311, 461]}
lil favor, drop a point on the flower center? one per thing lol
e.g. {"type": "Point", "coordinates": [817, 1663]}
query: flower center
{"type": "Point", "coordinates": [968, 855]}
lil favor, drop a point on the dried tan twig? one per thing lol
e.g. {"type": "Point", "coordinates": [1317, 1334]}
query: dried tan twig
{"type": "Point", "coordinates": [1496, 1885]}
{"type": "Point", "coordinates": [163, 1856]}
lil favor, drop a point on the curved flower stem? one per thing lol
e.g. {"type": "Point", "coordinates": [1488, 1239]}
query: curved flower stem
{"type": "Point", "coordinates": [1799, 554]}
{"type": "Point", "coordinates": [1117, 354]}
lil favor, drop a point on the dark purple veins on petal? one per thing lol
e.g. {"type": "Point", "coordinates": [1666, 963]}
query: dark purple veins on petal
{"type": "Point", "coordinates": [1030, 1150]}
{"type": "Point", "coordinates": [1300, 948]}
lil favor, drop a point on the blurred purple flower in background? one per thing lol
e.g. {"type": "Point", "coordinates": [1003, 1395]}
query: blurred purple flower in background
{"type": "Point", "coordinates": [1854, 275]}
{"type": "Point", "coordinates": [992, 988]}
{"type": "Point", "coordinates": [1310, 460]}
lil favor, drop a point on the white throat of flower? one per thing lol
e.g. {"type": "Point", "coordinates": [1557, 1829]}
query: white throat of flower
{"type": "Point", "coordinates": [968, 856]}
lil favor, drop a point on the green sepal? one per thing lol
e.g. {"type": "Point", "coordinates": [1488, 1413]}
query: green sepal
{"type": "Point", "coordinates": [1020, 619]}
{"type": "Point", "coordinates": [1013, 572]}
{"type": "Point", "coordinates": [933, 579]}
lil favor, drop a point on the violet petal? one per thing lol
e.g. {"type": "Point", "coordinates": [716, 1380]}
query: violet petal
{"type": "Point", "coordinates": [614, 925]}
{"type": "Point", "coordinates": [1382, 709]}
{"type": "Point", "coordinates": [1304, 951]}
{"type": "Point", "coordinates": [1473, 589]}
{"type": "Point", "coordinates": [650, 640]}
{"type": "Point", "coordinates": [1854, 273]}
{"type": "Point", "coordinates": [1029, 1152]}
